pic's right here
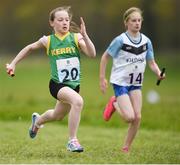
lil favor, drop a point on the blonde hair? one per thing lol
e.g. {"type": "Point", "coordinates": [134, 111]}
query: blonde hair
{"type": "Point", "coordinates": [73, 26]}
{"type": "Point", "coordinates": [129, 11]}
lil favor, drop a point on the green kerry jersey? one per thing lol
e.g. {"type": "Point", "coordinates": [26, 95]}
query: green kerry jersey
{"type": "Point", "coordinates": [64, 59]}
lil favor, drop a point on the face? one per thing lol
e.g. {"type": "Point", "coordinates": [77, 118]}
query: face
{"type": "Point", "coordinates": [61, 22]}
{"type": "Point", "coordinates": [134, 22]}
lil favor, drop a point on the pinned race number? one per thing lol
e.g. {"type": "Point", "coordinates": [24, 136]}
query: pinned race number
{"type": "Point", "coordinates": [68, 69]}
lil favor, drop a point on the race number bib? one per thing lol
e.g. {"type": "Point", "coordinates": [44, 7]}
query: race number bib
{"type": "Point", "coordinates": [68, 69]}
{"type": "Point", "coordinates": [135, 74]}
{"type": "Point", "coordinates": [135, 78]}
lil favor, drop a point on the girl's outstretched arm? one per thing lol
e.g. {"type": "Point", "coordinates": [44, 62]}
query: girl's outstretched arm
{"type": "Point", "coordinates": [23, 53]}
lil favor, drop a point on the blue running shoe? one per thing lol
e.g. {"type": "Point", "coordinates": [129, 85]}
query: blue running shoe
{"type": "Point", "coordinates": [34, 128]}
{"type": "Point", "coordinates": [74, 146]}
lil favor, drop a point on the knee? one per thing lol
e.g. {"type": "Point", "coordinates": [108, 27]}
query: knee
{"type": "Point", "coordinates": [78, 103]}
{"type": "Point", "coordinates": [138, 118]}
{"type": "Point", "coordinates": [134, 119]}
{"type": "Point", "coordinates": [130, 119]}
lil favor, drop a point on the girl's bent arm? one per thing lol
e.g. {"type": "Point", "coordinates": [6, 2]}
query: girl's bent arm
{"type": "Point", "coordinates": [88, 48]}
{"type": "Point", "coordinates": [102, 74]}
{"type": "Point", "coordinates": [85, 42]}
{"type": "Point", "coordinates": [27, 50]}
{"type": "Point", "coordinates": [23, 53]}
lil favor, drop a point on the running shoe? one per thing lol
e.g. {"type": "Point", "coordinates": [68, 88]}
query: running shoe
{"type": "Point", "coordinates": [74, 146]}
{"type": "Point", "coordinates": [109, 109]}
{"type": "Point", "coordinates": [34, 128]}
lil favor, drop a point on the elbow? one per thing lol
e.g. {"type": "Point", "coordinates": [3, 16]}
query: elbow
{"type": "Point", "coordinates": [93, 54]}
{"type": "Point", "coordinates": [90, 52]}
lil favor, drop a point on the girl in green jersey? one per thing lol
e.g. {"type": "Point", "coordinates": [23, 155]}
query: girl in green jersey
{"type": "Point", "coordinates": [63, 49]}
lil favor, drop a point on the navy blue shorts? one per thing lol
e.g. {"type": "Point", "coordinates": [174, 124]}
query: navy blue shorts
{"type": "Point", "coordinates": [120, 90]}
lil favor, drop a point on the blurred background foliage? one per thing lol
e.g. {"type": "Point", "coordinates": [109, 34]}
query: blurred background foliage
{"type": "Point", "coordinates": [24, 21]}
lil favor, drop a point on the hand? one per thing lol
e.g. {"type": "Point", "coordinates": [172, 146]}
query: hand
{"type": "Point", "coordinates": [10, 68]}
{"type": "Point", "coordinates": [160, 76]}
{"type": "Point", "coordinates": [83, 28]}
{"type": "Point", "coordinates": [103, 85]}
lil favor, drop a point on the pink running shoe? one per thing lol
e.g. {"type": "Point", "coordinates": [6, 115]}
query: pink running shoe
{"type": "Point", "coordinates": [109, 110]}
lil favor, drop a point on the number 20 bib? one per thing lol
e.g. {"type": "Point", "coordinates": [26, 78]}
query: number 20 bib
{"type": "Point", "coordinates": [68, 69]}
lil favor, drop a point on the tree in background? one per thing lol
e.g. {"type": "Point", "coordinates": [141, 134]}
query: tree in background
{"type": "Point", "coordinates": [23, 21]}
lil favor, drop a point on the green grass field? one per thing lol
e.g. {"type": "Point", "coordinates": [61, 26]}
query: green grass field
{"type": "Point", "coordinates": [158, 140]}
{"type": "Point", "coordinates": [102, 145]}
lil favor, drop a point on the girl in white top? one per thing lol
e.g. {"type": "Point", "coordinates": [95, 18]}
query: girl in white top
{"type": "Point", "coordinates": [129, 52]}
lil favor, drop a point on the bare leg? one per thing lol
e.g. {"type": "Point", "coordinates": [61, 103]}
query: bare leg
{"type": "Point", "coordinates": [75, 100]}
{"type": "Point", "coordinates": [124, 107]}
{"type": "Point", "coordinates": [72, 103]}
{"type": "Point", "coordinates": [116, 106]}
{"type": "Point", "coordinates": [136, 100]}
{"type": "Point", "coordinates": [58, 113]}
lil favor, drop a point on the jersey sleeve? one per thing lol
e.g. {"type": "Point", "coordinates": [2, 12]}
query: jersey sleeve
{"type": "Point", "coordinates": [115, 46]}
{"type": "Point", "coordinates": [150, 52]}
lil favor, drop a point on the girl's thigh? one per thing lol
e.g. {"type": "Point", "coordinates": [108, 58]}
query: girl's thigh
{"type": "Point", "coordinates": [136, 100]}
{"type": "Point", "coordinates": [69, 96]}
{"type": "Point", "coordinates": [125, 106]}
